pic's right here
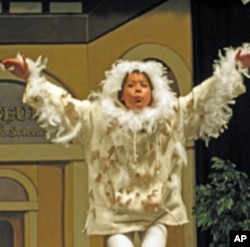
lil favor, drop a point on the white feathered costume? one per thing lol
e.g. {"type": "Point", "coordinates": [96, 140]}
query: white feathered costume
{"type": "Point", "coordinates": [135, 157]}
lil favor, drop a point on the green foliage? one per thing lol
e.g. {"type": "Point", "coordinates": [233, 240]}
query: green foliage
{"type": "Point", "coordinates": [223, 204]}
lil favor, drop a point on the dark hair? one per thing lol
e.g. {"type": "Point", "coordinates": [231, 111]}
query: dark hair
{"type": "Point", "coordinates": [126, 77]}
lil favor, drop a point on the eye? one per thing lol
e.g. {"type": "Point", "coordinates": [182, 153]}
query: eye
{"type": "Point", "coordinates": [144, 84]}
{"type": "Point", "coordinates": [130, 84]}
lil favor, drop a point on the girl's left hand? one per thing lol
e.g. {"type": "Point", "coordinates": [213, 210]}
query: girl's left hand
{"type": "Point", "coordinates": [243, 59]}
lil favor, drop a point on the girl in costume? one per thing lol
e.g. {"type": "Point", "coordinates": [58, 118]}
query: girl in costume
{"type": "Point", "coordinates": [133, 135]}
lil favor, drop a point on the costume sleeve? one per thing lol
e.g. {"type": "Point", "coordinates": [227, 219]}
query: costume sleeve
{"type": "Point", "coordinates": [58, 112]}
{"type": "Point", "coordinates": [207, 108]}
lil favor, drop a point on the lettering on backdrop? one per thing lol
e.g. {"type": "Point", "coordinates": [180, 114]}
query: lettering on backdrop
{"type": "Point", "coordinates": [17, 120]}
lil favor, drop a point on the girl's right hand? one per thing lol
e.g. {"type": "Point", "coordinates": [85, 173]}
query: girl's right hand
{"type": "Point", "coordinates": [17, 67]}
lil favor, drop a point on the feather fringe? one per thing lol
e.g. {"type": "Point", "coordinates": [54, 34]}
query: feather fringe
{"type": "Point", "coordinates": [229, 85]}
{"type": "Point", "coordinates": [51, 102]}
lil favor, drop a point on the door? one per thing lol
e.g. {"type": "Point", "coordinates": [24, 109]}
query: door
{"type": "Point", "coordinates": [11, 229]}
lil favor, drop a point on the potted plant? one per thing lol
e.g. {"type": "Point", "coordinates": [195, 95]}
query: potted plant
{"type": "Point", "coordinates": [223, 204]}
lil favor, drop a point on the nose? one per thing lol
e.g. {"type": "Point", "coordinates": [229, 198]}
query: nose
{"type": "Point", "coordinates": [138, 88]}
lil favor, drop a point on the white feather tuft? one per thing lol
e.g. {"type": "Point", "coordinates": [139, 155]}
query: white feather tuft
{"type": "Point", "coordinates": [174, 181]}
{"type": "Point", "coordinates": [181, 152]}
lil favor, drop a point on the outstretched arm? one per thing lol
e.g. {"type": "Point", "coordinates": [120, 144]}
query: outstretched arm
{"type": "Point", "coordinates": [207, 108]}
{"type": "Point", "coordinates": [58, 112]}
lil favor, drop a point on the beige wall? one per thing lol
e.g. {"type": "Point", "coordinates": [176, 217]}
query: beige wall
{"type": "Point", "coordinates": [67, 62]}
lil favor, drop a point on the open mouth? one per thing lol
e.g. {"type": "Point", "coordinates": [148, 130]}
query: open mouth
{"type": "Point", "coordinates": [138, 99]}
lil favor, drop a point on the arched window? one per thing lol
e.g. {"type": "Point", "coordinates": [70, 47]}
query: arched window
{"type": "Point", "coordinates": [11, 223]}
{"type": "Point", "coordinates": [18, 210]}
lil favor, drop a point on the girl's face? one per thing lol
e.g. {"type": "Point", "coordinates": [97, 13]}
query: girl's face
{"type": "Point", "coordinates": [137, 91]}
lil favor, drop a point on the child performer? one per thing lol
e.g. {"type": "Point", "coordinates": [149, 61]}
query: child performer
{"type": "Point", "coordinates": [133, 135]}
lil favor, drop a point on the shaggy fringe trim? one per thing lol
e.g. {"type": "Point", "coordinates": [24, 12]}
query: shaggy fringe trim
{"type": "Point", "coordinates": [50, 102]}
{"type": "Point", "coordinates": [228, 86]}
